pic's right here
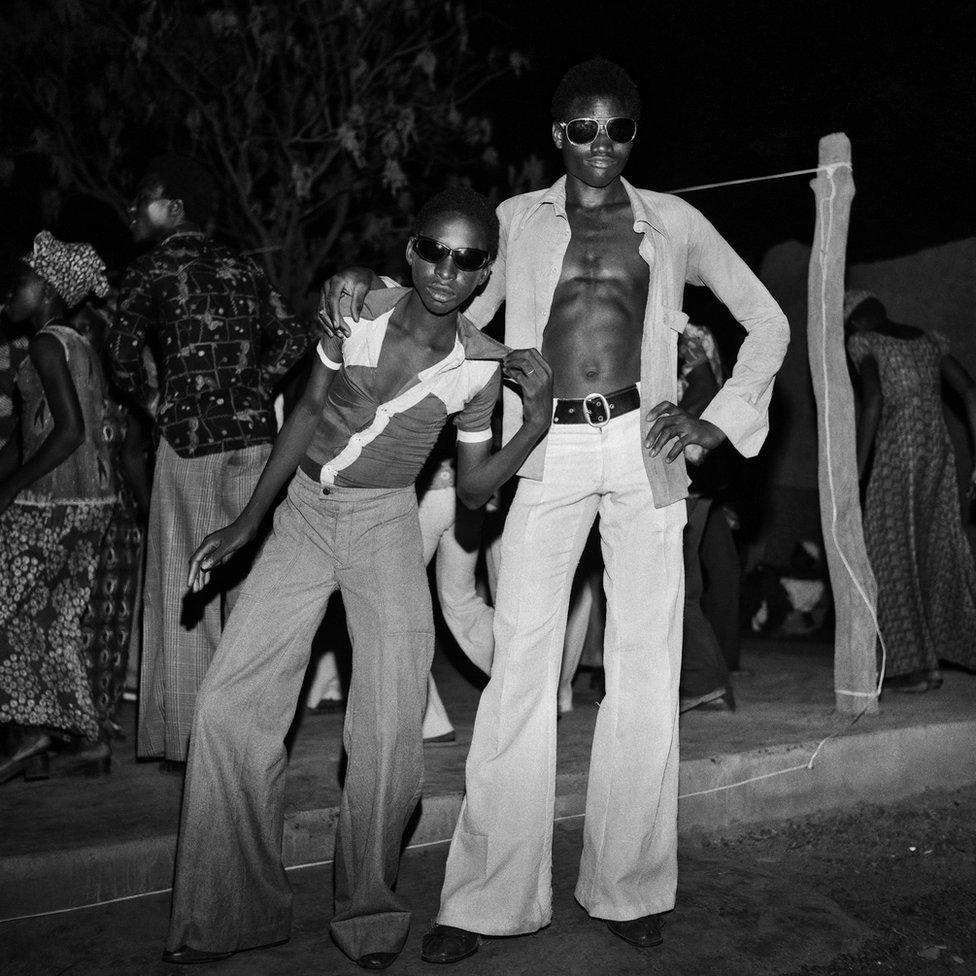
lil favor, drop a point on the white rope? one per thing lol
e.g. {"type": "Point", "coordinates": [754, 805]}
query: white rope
{"type": "Point", "coordinates": [81, 908]}
{"type": "Point", "coordinates": [777, 772]}
{"type": "Point", "coordinates": [826, 168]}
{"type": "Point", "coordinates": [166, 891]}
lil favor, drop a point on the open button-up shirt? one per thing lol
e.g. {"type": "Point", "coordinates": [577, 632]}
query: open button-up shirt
{"type": "Point", "coordinates": [679, 246]}
{"type": "Point", "coordinates": [363, 441]}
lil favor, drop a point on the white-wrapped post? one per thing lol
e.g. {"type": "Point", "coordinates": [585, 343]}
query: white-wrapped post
{"type": "Point", "coordinates": [851, 577]}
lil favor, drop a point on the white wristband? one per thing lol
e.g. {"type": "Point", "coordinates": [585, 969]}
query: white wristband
{"type": "Point", "coordinates": [325, 359]}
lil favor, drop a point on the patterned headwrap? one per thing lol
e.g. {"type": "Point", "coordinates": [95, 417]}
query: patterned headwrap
{"type": "Point", "coordinates": [854, 297]}
{"type": "Point", "coordinates": [72, 270]}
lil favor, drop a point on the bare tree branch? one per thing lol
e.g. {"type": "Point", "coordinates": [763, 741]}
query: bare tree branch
{"type": "Point", "coordinates": [316, 117]}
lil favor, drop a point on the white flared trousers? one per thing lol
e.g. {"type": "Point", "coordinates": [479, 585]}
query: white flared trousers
{"type": "Point", "coordinates": [499, 871]}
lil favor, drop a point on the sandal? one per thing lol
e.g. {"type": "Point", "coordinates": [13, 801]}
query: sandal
{"type": "Point", "coordinates": [31, 760]}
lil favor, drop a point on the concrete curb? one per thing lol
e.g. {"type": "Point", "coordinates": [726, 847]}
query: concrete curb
{"type": "Point", "coordinates": [873, 767]}
{"type": "Point", "coordinates": [766, 784]}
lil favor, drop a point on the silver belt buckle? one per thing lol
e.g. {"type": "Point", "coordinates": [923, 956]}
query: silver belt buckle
{"type": "Point", "coordinates": [604, 405]}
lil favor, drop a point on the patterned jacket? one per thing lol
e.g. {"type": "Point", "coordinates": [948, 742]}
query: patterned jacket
{"type": "Point", "coordinates": [222, 338]}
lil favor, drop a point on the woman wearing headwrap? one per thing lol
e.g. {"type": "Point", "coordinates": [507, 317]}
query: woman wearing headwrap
{"type": "Point", "coordinates": [54, 510]}
{"type": "Point", "coordinates": [912, 522]}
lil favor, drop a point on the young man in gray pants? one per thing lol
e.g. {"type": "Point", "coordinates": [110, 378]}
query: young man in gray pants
{"type": "Point", "coordinates": [372, 410]}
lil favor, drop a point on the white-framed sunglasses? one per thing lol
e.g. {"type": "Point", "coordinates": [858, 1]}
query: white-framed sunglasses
{"type": "Point", "coordinates": [581, 132]}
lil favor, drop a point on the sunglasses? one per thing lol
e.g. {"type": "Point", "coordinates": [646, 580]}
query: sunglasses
{"type": "Point", "coordinates": [464, 258]}
{"type": "Point", "coordinates": [581, 132]}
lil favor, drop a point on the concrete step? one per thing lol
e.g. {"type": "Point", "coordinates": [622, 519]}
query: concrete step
{"type": "Point", "coordinates": [716, 792]}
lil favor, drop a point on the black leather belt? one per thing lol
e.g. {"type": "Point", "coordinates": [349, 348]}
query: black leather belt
{"type": "Point", "coordinates": [313, 470]}
{"type": "Point", "coordinates": [597, 409]}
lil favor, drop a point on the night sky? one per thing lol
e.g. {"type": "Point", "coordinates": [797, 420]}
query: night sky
{"type": "Point", "coordinates": [734, 90]}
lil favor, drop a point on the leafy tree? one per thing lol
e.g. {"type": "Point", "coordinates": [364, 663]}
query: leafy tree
{"type": "Point", "coordinates": [321, 119]}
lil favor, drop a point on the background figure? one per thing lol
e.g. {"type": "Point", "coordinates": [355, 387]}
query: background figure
{"type": "Point", "coordinates": [585, 623]}
{"type": "Point", "coordinates": [452, 533]}
{"type": "Point", "coordinates": [13, 349]}
{"type": "Point", "coordinates": [325, 689]}
{"type": "Point", "coordinates": [107, 625]}
{"type": "Point", "coordinates": [223, 340]}
{"type": "Point", "coordinates": [912, 523]}
{"type": "Point", "coordinates": [54, 510]}
{"type": "Point", "coordinates": [705, 681]}
{"type": "Point", "coordinates": [722, 571]}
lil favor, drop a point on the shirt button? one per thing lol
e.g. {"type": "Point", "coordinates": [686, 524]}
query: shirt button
{"type": "Point", "coordinates": [326, 491]}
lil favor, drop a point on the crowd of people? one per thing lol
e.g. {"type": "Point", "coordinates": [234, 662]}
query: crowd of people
{"type": "Point", "coordinates": [155, 508]}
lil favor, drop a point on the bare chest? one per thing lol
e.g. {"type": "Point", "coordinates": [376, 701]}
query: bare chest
{"type": "Point", "coordinates": [603, 246]}
{"type": "Point", "coordinates": [399, 365]}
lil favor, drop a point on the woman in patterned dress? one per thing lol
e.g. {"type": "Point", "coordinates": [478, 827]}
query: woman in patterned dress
{"type": "Point", "coordinates": [912, 521]}
{"type": "Point", "coordinates": [54, 510]}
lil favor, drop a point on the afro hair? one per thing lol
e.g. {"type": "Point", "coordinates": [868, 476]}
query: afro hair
{"type": "Point", "coordinates": [596, 78]}
{"type": "Point", "coordinates": [466, 202]}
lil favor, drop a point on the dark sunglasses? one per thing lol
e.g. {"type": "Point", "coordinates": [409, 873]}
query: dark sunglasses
{"type": "Point", "coordinates": [464, 258]}
{"type": "Point", "coordinates": [581, 132]}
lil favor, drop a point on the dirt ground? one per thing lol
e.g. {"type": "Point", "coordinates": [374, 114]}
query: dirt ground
{"type": "Point", "coordinates": [894, 888]}
{"type": "Point", "coordinates": [906, 871]}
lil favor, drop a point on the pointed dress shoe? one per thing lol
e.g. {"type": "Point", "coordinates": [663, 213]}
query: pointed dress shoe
{"type": "Point", "coordinates": [377, 960]}
{"type": "Point", "coordinates": [643, 932]}
{"type": "Point", "coordinates": [186, 956]}
{"type": "Point", "coordinates": [447, 944]}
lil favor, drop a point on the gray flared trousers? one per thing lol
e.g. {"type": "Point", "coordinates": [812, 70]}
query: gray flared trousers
{"type": "Point", "coordinates": [230, 891]}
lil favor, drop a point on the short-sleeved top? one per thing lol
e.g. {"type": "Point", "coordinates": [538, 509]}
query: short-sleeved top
{"type": "Point", "coordinates": [223, 335]}
{"type": "Point", "coordinates": [362, 442]}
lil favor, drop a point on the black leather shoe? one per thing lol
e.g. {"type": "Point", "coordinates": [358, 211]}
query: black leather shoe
{"type": "Point", "coordinates": [446, 944]}
{"type": "Point", "coordinates": [643, 932]}
{"type": "Point", "coordinates": [186, 956]}
{"type": "Point", "coordinates": [376, 960]}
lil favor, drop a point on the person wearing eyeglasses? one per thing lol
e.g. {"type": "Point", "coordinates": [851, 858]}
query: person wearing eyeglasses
{"type": "Point", "coordinates": [352, 448]}
{"type": "Point", "coordinates": [592, 272]}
